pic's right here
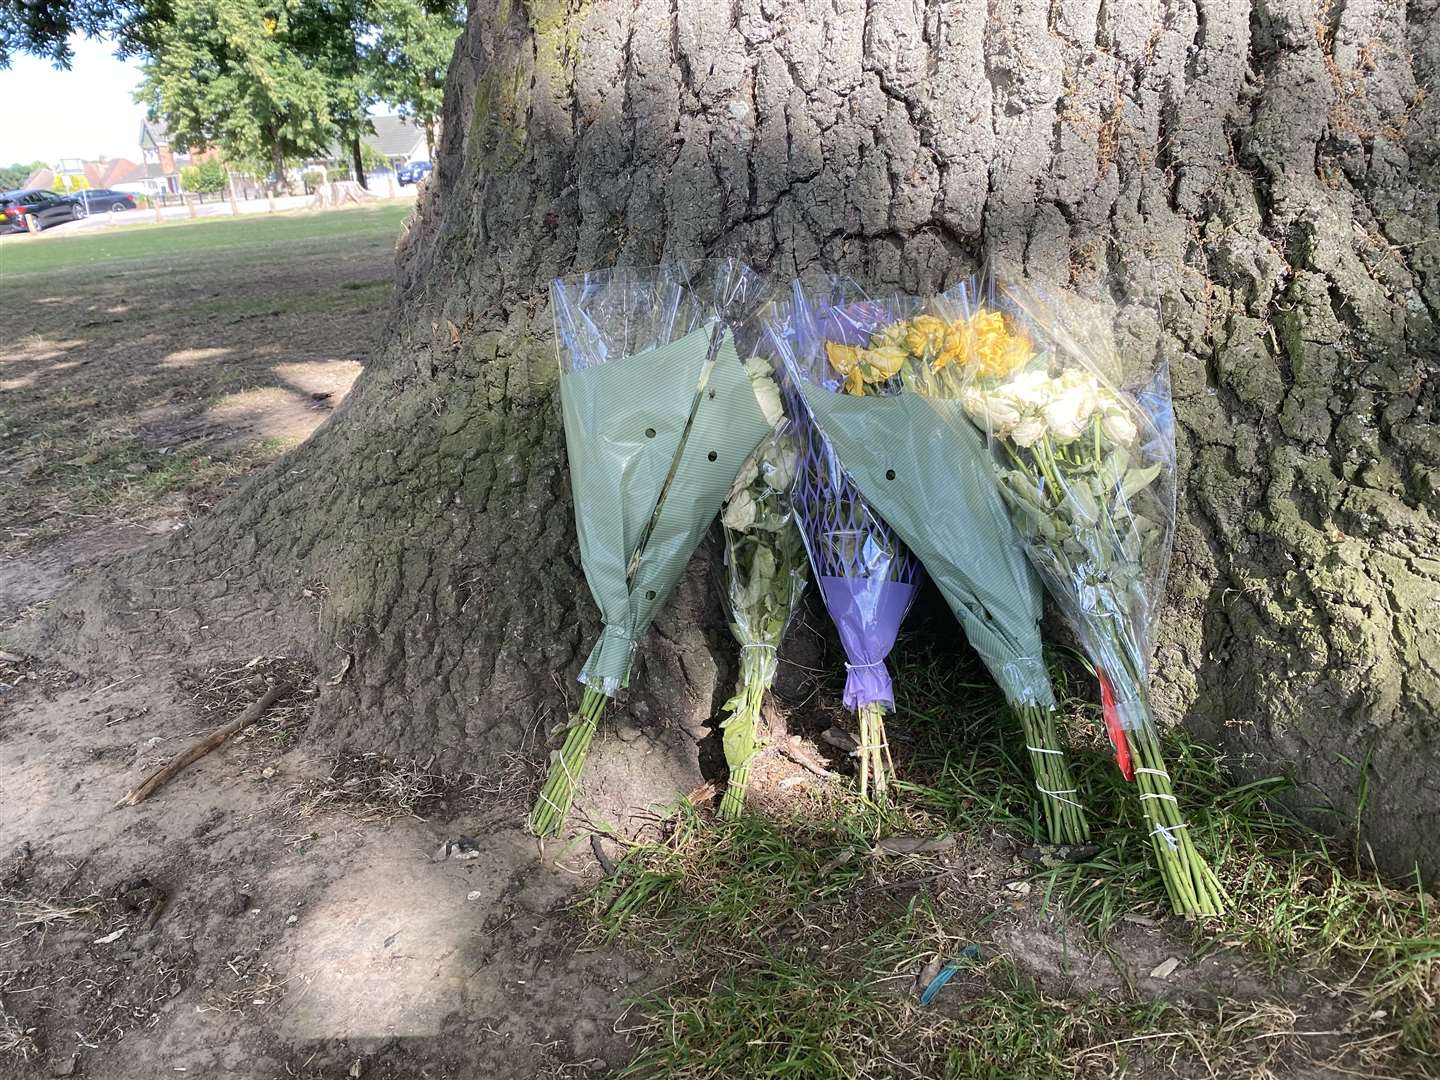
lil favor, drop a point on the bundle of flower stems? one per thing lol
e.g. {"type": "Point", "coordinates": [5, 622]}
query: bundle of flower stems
{"type": "Point", "coordinates": [765, 576]}
{"type": "Point", "coordinates": [868, 579]}
{"type": "Point", "coordinates": [659, 414]}
{"type": "Point", "coordinates": [1087, 470]}
{"type": "Point", "coordinates": [930, 480]}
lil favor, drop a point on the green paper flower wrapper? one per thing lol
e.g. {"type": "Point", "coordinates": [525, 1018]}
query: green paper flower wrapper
{"type": "Point", "coordinates": [659, 415]}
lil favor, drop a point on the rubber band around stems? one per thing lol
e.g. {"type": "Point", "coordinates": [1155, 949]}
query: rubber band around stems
{"type": "Point", "coordinates": [1060, 794]}
{"type": "Point", "coordinates": [1044, 750]}
{"type": "Point", "coordinates": [1157, 795]}
{"type": "Point", "coordinates": [1165, 831]}
{"type": "Point", "coordinates": [758, 645]}
{"type": "Point", "coordinates": [1153, 772]}
{"type": "Point", "coordinates": [558, 757]}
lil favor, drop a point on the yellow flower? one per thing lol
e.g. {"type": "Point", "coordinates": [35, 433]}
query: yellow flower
{"type": "Point", "coordinates": [859, 367]}
{"type": "Point", "coordinates": [956, 347]}
{"type": "Point", "coordinates": [882, 363]}
{"type": "Point", "coordinates": [995, 348]}
{"type": "Point", "coordinates": [843, 358]}
{"type": "Point", "coordinates": [894, 334]}
{"type": "Point", "coordinates": [925, 336]}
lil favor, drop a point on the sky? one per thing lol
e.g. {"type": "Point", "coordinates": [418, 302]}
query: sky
{"type": "Point", "coordinates": [81, 113]}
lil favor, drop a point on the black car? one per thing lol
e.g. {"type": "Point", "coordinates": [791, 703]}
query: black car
{"type": "Point", "coordinates": [98, 200]}
{"type": "Point", "coordinates": [414, 172]}
{"type": "Point", "coordinates": [34, 209]}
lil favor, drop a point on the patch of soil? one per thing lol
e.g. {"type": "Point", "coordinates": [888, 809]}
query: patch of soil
{"type": "Point", "coordinates": [284, 944]}
{"type": "Point", "coordinates": [31, 577]}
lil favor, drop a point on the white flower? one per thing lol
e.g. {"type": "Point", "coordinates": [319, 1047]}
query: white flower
{"type": "Point", "coordinates": [767, 393]}
{"type": "Point", "coordinates": [1067, 414]}
{"type": "Point", "coordinates": [1003, 415]}
{"type": "Point", "coordinates": [1119, 428]}
{"type": "Point", "coordinates": [1028, 432]}
{"type": "Point", "coordinates": [1075, 378]}
{"type": "Point", "coordinates": [739, 512]}
{"type": "Point", "coordinates": [992, 410]}
{"type": "Point", "coordinates": [782, 458]}
{"type": "Point", "coordinates": [757, 367]}
{"type": "Point", "coordinates": [1029, 389]}
{"type": "Point", "coordinates": [746, 476]}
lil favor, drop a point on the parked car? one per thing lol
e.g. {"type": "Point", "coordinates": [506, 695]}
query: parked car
{"type": "Point", "coordinates": [34, 209]}
{"type": "Point", "coordinates": [97, 200]}
{"type": "Point", "coordinates": [413, 173]}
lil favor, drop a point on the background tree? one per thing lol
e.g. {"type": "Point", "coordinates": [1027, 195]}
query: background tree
{"type": "Point", "coordinates": [227, 73]}
{"type": "Point", "coordinates": [12, 176]}
{"type": "Point", "coordinates": [208, 177]}
{"type": "Point", "coordinates": [406, 55]}
{"type": "Point", "coordinates": [329, 32]}
{"type": "Point", "coordinates": [1262, 175]}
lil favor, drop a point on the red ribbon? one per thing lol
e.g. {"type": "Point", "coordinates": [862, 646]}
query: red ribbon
{"type": "Point", "coordinates": [1115, 729]}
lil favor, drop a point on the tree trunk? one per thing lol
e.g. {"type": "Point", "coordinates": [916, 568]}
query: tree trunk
{"type": "Point", "coordinates": [277, 162]}
{"type": "Point", "coordinates": [356, 160]}
{"type": "Point", "coordinates": [1265, 173]}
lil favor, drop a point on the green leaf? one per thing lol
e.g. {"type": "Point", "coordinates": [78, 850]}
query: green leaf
{"type": "Point", "coordinates": [1137, 480]}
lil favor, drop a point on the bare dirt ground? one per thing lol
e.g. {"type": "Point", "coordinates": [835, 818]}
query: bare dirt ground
{"type": "Point", "coordinates": [278, 912]}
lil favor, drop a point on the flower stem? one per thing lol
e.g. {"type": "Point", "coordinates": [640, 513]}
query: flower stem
{"type": "Point", "coordinates": [874, 753]}
{"type": "Point", "coordinates": [548, 815]}
{"type": "Point", "coordinates": [741, 737]}
{"type": "Point", "coordinates": [1065, 820]}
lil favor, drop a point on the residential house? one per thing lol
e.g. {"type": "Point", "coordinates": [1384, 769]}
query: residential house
{"type": "Point", "coordinates": [398, 140]}
{"type": "Point", "coordinates": [401, 141]}
{"type": "Point", "coordinates": [73, 174]}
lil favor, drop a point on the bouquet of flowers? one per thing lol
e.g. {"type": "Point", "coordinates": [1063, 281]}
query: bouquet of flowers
{"type": "Point", "coordinates": [866, 574]}
{"type": "Point", "coordinates": [659, 415]}
{"type": "Point", "coordinates": [1087, 471]}
{"type": "Point", "coordinates": [765, 575]}
{"type": "Point", "coordinates": [864, 382]}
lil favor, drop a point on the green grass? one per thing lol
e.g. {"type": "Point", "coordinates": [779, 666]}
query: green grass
{"type": "Point", "coordinates": [1299, 898]}
{"type": "Point", "coordinates": [792, 953]}
{"type": "Point", "coordinates": [113, 250]}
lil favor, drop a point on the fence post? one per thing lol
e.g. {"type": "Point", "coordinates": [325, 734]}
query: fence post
{"type": "Point", "coordinates": [190, 203]}
{"type": "Point", "coordinates": [155, 202]}
{"type": "Point", "coordinates": [230, 187]}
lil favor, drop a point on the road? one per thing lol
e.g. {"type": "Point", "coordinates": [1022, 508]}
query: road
{"type": "Point", "coordinates": [112, 219]}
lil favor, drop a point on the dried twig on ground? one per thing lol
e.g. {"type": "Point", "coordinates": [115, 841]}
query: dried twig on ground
{"type": "Point", "coordinates": [199, 749]}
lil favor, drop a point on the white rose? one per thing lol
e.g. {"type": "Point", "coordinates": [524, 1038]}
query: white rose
{"type": "Point", "coordinates": [1029, 389]}
{"type": "Point", "coordinates": [746, 476]}
{"type": "Point", "coordinates": [990, 410]}
{"type": "Point", "coordinates": [767, 393]}
{"type": "Point", "coordinates": [1066, 415]}
{"type": "Point", "coordinates": [1003, 415]}
{"type": "Point", "coordinates": [781, 461]}
{"type": "Point", "coordinates": [1028, 432]}
{"type": "Point", "coordinates": [739, 512]}
{"type": "Point", "coordinates": [757, 367]}
{"type": "Point", "coordinates": [1075, 378]}
{"type": "Point", "coordinates": [1119, 428]}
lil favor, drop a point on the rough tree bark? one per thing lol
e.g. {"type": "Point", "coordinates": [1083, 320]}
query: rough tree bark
{"type": "Point", "coordinates": [1265, 173]}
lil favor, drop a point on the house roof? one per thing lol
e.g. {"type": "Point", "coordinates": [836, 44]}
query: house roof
{"type": "Point", "coordinates": [395, 136]}
{"type": "Point", "coordinates": [98, 174]}
{"type": "Point", "coordinates": [154, 133]}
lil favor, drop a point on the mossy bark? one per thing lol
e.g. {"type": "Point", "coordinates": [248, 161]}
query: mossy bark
{"type": "Point", "coordinates": [1261, 175]}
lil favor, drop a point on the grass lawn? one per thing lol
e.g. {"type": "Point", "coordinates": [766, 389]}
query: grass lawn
{"type": "Point", "coordinates": [145, 367]}
{"type": "Point", "coordinates": [113, 250]}
{"type": "Point", "coordinates": [792, 943]}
